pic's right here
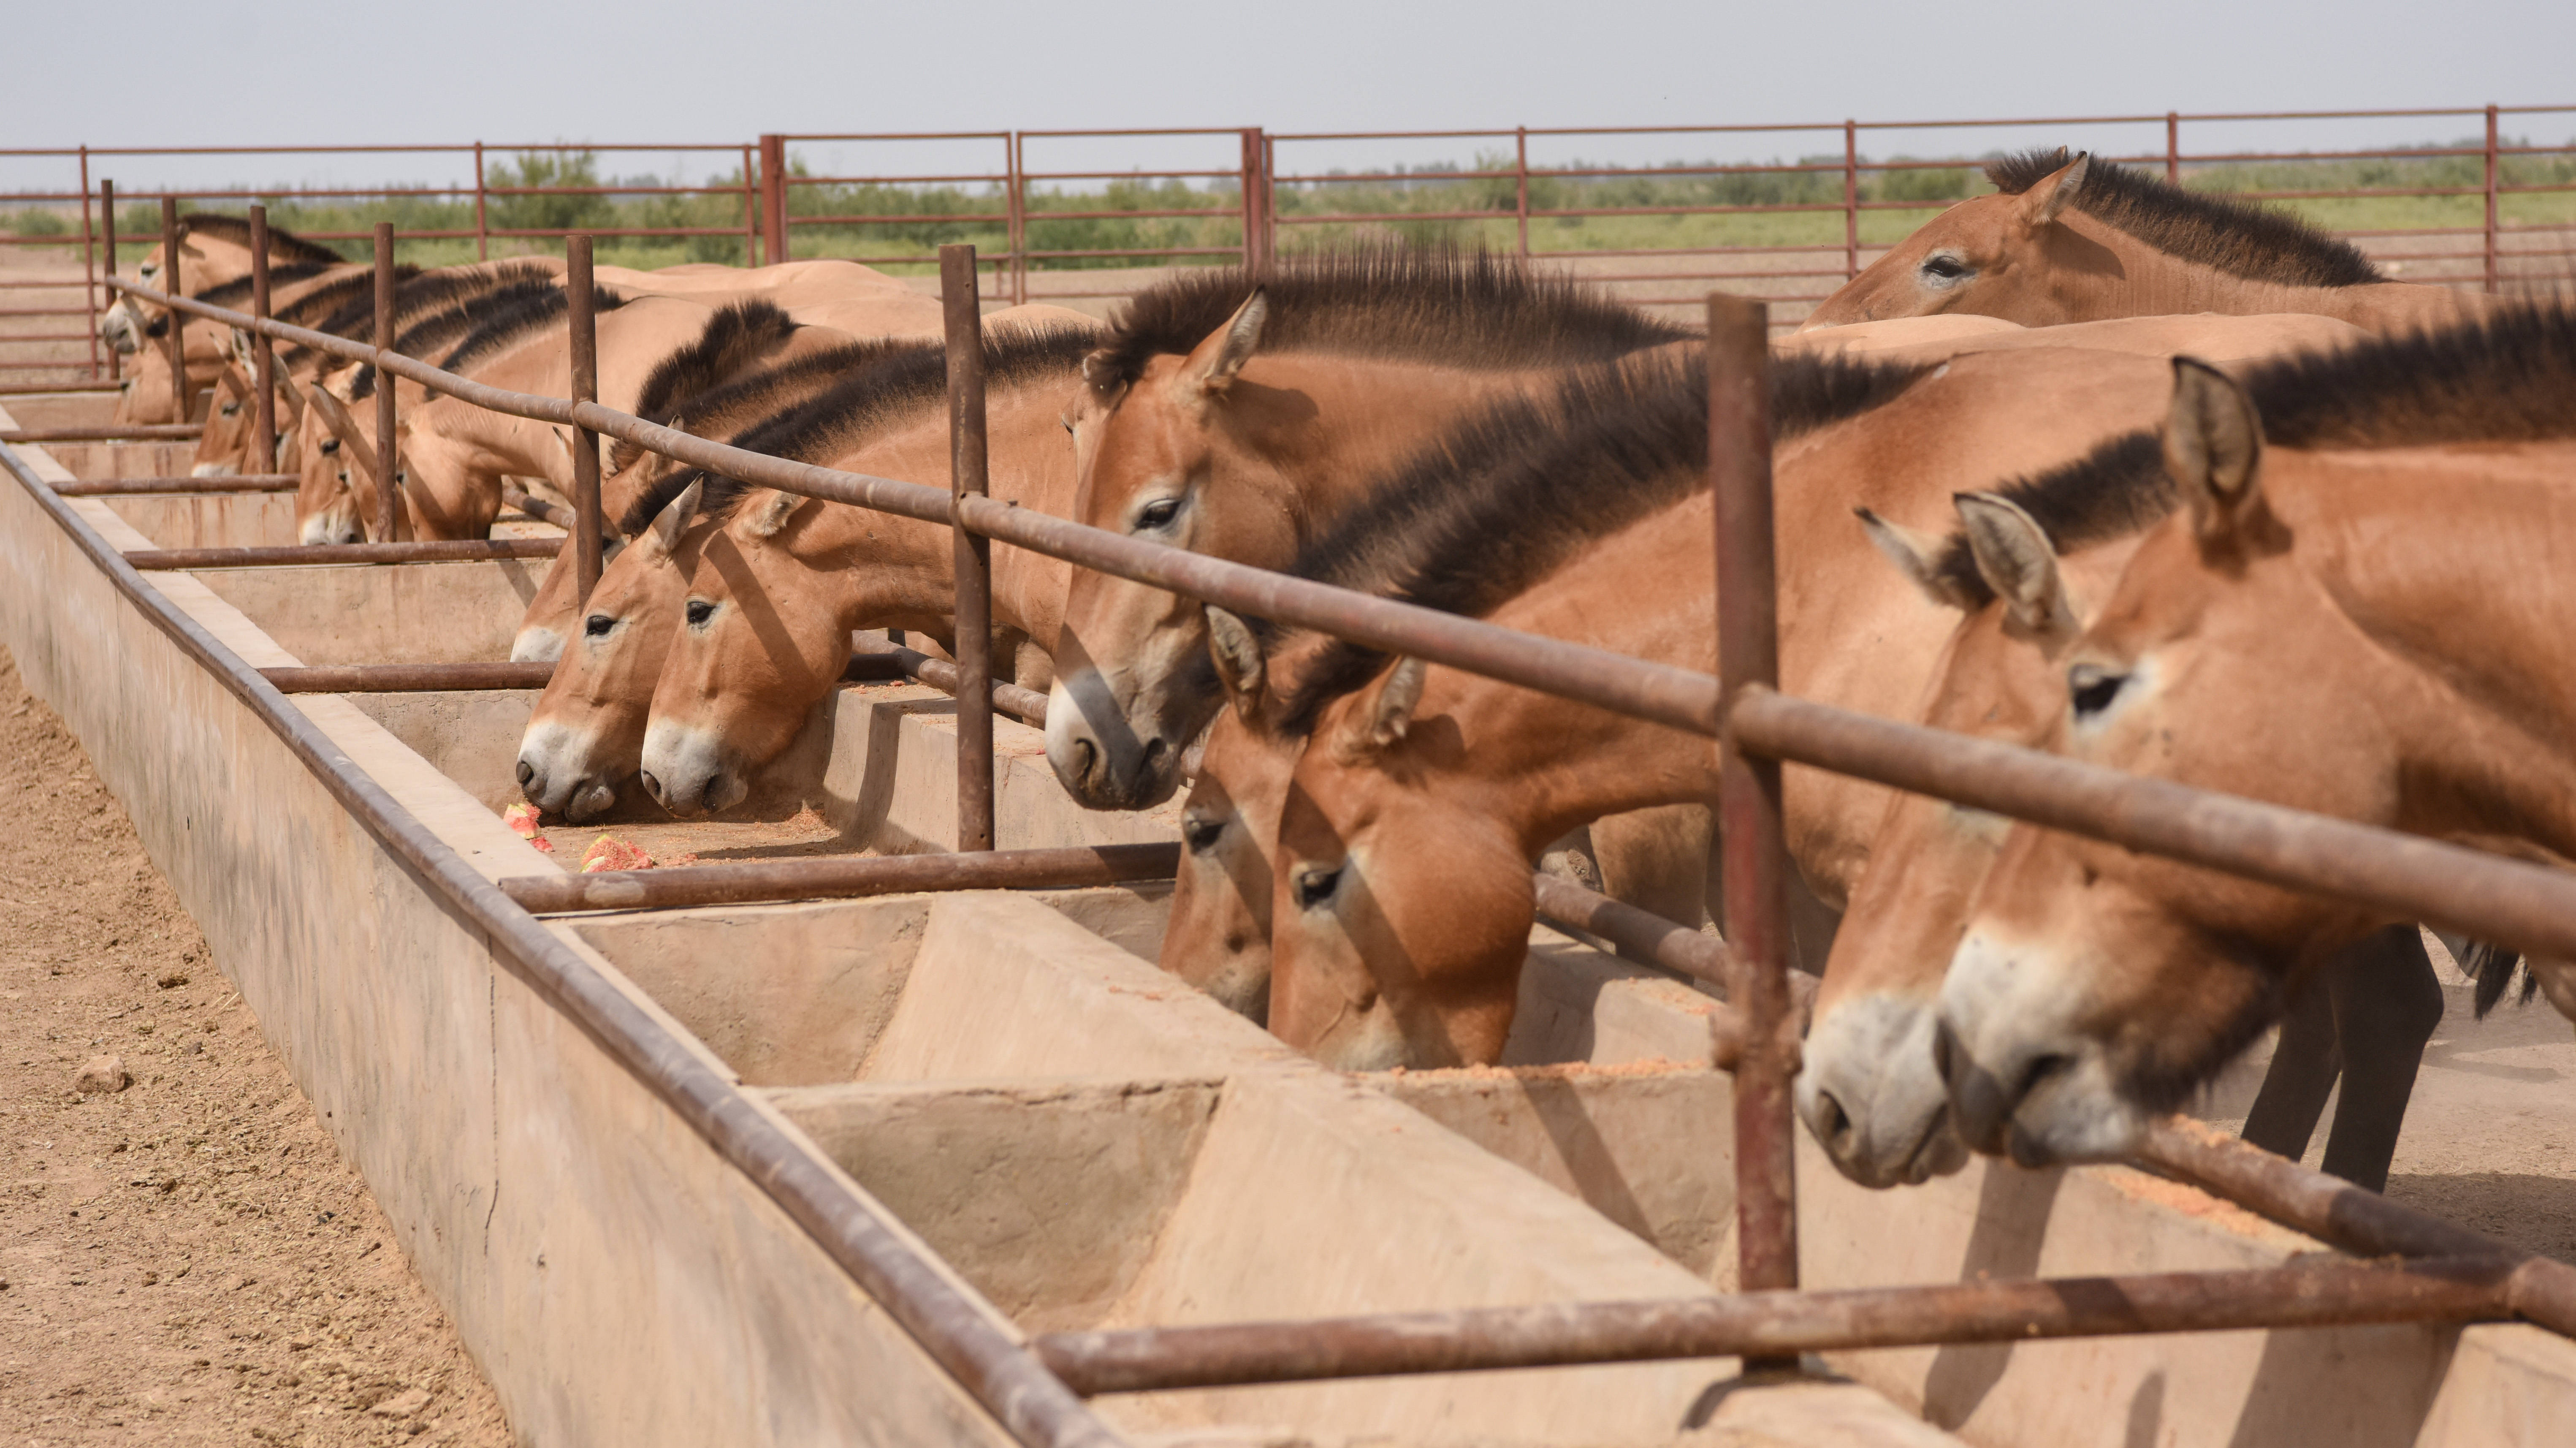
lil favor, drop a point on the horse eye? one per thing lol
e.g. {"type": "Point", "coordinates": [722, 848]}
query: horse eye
{"type": "Point", "coordinates": [1158, 513]}
{"type": "Point", "coordinates": [232, 409]}
{"type": "Point", "coordinates": [330, 444]}
{"type": "Point", "coordinates": [1315, 886]}
{"type": "Point", "coordinates": [1200, 832]}
{"type": "Point", "coordinates": [2093, 688]}
{"type": "Point", "coordinates": [700, 611]}
{"type": "Point", "coordinates": [1944, 268]}
{"type": "Point", "coordinates": [402, 475]}
{"type": "Point", "coordinates": [598, 625]}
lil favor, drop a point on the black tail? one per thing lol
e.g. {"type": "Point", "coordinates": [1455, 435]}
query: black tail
{"type": "Point", "coordinates": [2492, 966]}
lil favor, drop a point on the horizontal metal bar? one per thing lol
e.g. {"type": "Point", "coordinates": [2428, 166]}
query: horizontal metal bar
{"type": "Point", "coordinates": [453, 550]}
{"type": "Point", "coordinates": [228, 483]}
{"type": "Point", "coordinates": [2341, 1214]}
{"type": "Point", "coordinates": [1776, 1324]}
{"type": "Point", "coordinates": [139, 432]}
{"type": "Point", "coordinates": [1641, 936]}
{"type": "Point", "coordinates": [2527, 907]}
{"type": "Point", "coordinates": [407, 678]}
{"type": "Point", "coordinates": [45, 389]}
{"type": "Point", "coordinates": [755, 881]}
{"type": "Point", "coordinates": [1029, 704]}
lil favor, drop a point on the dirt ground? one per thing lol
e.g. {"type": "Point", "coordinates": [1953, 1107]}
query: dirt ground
{"type": "Point", "coordinates": [185, 1260]}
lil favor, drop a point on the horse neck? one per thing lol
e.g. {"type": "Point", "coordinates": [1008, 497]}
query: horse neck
{"type": "Point", "coordinates": [909, 567]}
{"type": "Point", "coordinates": [1517, 741]}
{"type": "Point", "coordinates": [1317, 432]}
{"type": "Point", "coordinates": [2148, 282]}
{"type": "Point", "coordinates": [498, 442]}
{"type": "Point", "coordinates": [2471, 614]}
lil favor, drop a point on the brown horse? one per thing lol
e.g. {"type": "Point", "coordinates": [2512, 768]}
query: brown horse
{"type": "Point", "coordinates": [778, 591]}
{"type": "Point", "coordinates": [2078, 240]}
{"type": "Point", "coordinates": [2408, 563]}
{"type": "Point", "coordinates": [214, 253]}
{"type": "Point", "coordinates": [1237, 414]}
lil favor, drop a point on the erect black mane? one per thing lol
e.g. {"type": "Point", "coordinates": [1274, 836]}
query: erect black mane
{"type": "Point", "coordinates": [728, 412]}
{"type": "Point", "coordinates": [285, 245]}
{"type": "Point", "coordinates": [1512, 493]}
{"type": "Point", "coordinates": [517, 314]}
{"type": "Point", "coordinates": [1464, 309]}
{"type": "Point", "coordinates": [736, 334]}
{"type": "Point", "coordinates": [417, 294]}
{"type": "Point", "coordinates": [2509, 377]}
{"type": "Point", "coordinates": [2237, 237]}
{"type": "Point", "coordinates": [330, 296]}
{"type": "Point", "coordinates": [900, 384]}
{"type": "Point", "coordinates": [236, 293]}
{"type": "Point", "coordinates": [422, 333]}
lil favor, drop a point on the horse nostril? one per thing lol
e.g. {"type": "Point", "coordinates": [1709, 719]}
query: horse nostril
{"type": "Point", "coordinates": [1833, 1124]}
{"type": "Point", "coordinates": [527, 772]}
{"type": "Point", "coordinates": [652, 785]}
{"type": "Point", "coordinates": [1941, 1053]}
{"type": "Point", "coordinates": [1086, 759]}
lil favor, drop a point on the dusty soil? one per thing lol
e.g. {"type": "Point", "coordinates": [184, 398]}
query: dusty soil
{"type": "Point", "coordinates": [185, 1260]}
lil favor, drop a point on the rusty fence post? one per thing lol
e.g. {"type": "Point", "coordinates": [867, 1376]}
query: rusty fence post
{"type": "Point", "coordinates": [482, 227]}
{"type": "Point", "coordinates": [585, 443]}
{"type": "Point", "coordinates": [1015, 212]}
{"type": "Point", "coordinates": [107, 228]}
{"type": "Point", "coordinates": [2173, 148]}
{"type": "Point", "coordinates": [263, 357]}
{"type": "Point", "coordinates": [1754, 864]}
{"type": "Point", "coordinates": [750, 213]}
{"type": "Point", "coordinates": [974, 553]}
{"type": "Point", "coordinates": [1520, 181]}
{"type": "Point", "coordinates": [388, 508]}
{"type": "Point", "coordinates": [2492, 175]}
{"type": "Point", "coordinates": [1851, 199]}
{"type": "Point", "coordinates": [773, 196]}
{"type": "Point", "coordinates": [89, 265]}
{"type": "Point", "coordinates": [178, 324]}
{"type": "Point", "coordinates": [1251, 173]}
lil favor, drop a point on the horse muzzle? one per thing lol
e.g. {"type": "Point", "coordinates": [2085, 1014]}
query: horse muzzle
{"type": "Point", "coordinates": [1873, 1096]}
{"type": "Point", "coordinates": [1099, 756]}
{"type": "Point", "coordinates": [2024, 1080]}
{"type": "Point", "coordinates": [690, 772]}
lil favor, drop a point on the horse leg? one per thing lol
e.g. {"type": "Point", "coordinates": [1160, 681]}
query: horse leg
{"type": "Point", "coordinates": [2387, 1004]}
{"type": "Point", "coordinates": [1657, 859]}
{"type": "Point", "coordinates": [2294, 1090]}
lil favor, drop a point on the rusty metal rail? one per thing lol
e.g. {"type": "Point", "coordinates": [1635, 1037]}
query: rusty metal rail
{"type": "Point", "coordinates": [1778, 1325]}
{"type": "Point", "coordinates": [133, 432]}
{"type": "Point", "coordinates": [228, 483]}
{"type": "Point", "coordinates": [450, 550]}
{"type": "Point", "coordinates": [843, 876]}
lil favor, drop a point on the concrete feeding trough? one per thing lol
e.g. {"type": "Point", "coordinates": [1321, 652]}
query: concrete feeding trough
{"type": "Point", "coordinates": [1003, 1086]}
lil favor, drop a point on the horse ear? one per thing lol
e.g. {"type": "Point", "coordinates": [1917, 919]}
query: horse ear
{"type": "Point", "coordinates": [1383, 716]}
{"type": "Point", "coordinates": [771, 514]}
{"type": "Point", "coordinates": [1917, 556]}
{"type": "Point", "coordinates": [2016, 559]}
{"type": "Point", "coordinates": [2055, 192]}
{"type": "Point", "coordinates": [1239, 663]}
{"type": "Point", "coordinates": [674, 519]}
{"type": "Point", "coordinates": [1212, 364]}
{"type": "Point", "coordinates": [2214, 450]}
{"type": "Point", "coordinates": [1100, 371]}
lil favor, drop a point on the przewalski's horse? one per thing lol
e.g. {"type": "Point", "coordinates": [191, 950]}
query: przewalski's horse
{"type": "Point", "coordinates": [2076, 241]}
{"type": "Point", "coordinates": [779, 589]}
{"type": "Point", "coordinates": [710, 396]}
{"type": "Point", "coordinates": [1402, 901]}
{"type": "Point", "coordinates": [585, 738]}
{"type": "Point", "coordinates": [2408, 569]}
{"type": "Point", "coordinates": [1237, 414]}
{"type": "Point", "coordinates": [1870, 1091]}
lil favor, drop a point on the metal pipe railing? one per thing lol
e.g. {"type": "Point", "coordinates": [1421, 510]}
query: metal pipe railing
{"type": "Point", "coordinates": [971, 556]}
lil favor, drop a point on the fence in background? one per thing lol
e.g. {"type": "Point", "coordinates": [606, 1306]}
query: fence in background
{"type": "Point", "coordinates": [1083, 229]}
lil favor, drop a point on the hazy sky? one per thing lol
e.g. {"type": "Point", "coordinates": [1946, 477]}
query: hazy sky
{"type": "Point", "coordinates": [724, 70]}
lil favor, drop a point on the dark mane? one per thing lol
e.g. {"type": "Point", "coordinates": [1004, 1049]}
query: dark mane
{"type": "Point", "coordinates": [1468, 309]}
{"type": "Point", "coordinates": [1512, 494]}
{"type": "Point", "coordinates": [418, 294]}
{"type": "Point", "coordinates": [2237, 237]}
{"type": "Point", "coordinates": [902, 382]}
{"type": "Point", "coordinates": [285, 245]}
{"type": "Point", "coordinates": [2510, 377]}
{"type": "Point", "coordinates": [236, 293]}
{"type": "Point", "coordinates": [728, 412]}
{"type": "Point", "coordinates": [509, 321]}
{"type": "Point", "coordinates": [330, 296]}
{"type": "Point", "coordinates": [422, 333]}
{"type": "Point", "coordinates": [733, 337]}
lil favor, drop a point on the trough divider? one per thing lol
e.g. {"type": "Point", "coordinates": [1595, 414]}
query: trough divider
{"type": "Point", "coordinates": [841, 877]}
{"type": "Point", "coordinates": [262, 352]}
{"type": "Point", "coordinates": [388, 439]}
{"type": "Point", "coordinates": [2505, 901]}
{"type": "Point", "coordinates": [963, 311]}
{"type": "Point", "coordinates": [177, 338]}
{"type": "Point", "coordinates": [583, 343]}
{"type": "Point", "coordinates": [228, 483]}
{"type": "Point", "coordinates": [994, 1366]}
{"type": "Point", "coordinates": [435, 550]}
